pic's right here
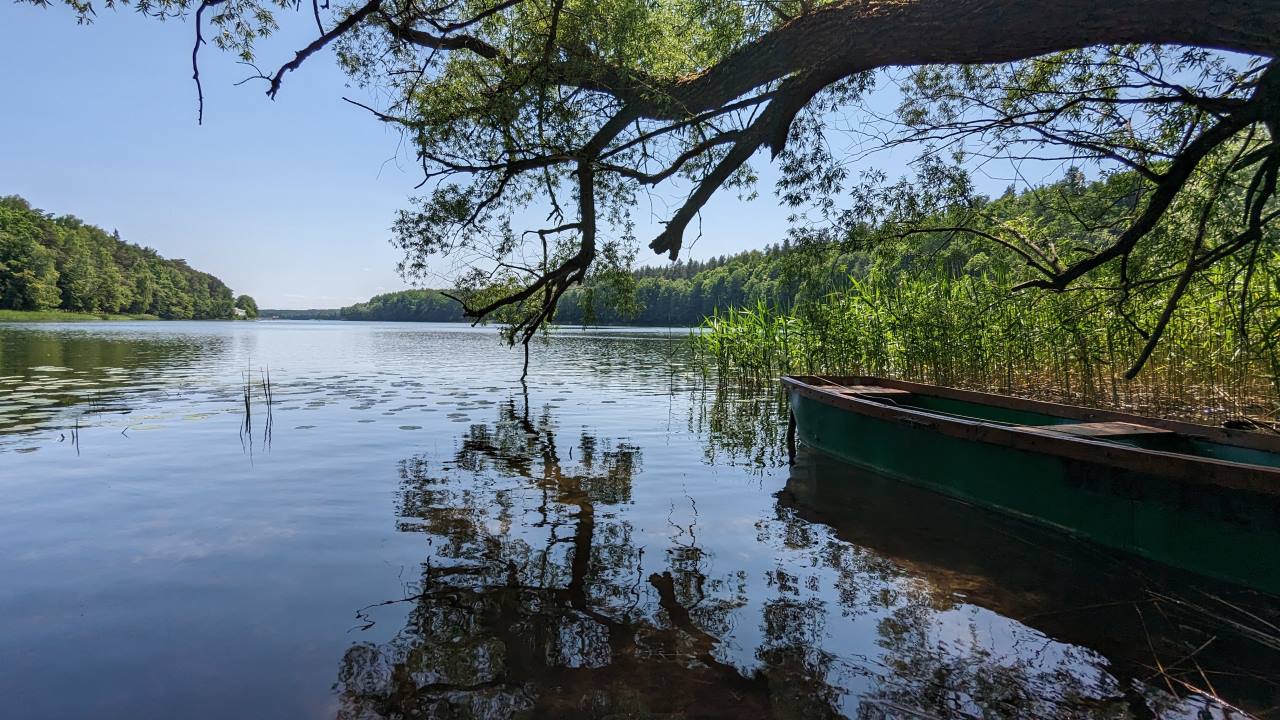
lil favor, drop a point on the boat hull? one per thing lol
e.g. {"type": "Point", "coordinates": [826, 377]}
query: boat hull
{"type": "Point", "coordinates": [1221, 532]}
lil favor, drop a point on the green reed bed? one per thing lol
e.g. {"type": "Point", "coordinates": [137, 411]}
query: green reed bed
{"type": "Point", "coordinates": [971, 332]}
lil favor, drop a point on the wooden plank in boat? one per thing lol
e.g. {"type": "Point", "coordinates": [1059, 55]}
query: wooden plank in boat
{"type": "Point", "coordinates": [870, 390]}
{"type": "Point", "coordinates": [1106, 429]}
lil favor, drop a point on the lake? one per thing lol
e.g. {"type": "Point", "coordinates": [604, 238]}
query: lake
{"type": "Point", "coordinates": [405, 530]}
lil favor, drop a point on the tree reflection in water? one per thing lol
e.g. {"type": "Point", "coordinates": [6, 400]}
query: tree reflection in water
{"type": "Point", "coordinates": [537, 601]}
{"type": "Point", "coordinates": [53, 377]}
{"type": "Point", "coordinates": [741, 423]}
{"type": "Point", "coordinates": [541, 599]}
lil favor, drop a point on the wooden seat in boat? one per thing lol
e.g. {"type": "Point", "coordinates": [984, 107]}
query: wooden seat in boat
{"type": "Point", "coordinates": [1106, 429]}
{"type": "Point", "coordinates": [871, 390]}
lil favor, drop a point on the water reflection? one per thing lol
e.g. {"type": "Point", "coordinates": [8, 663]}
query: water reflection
{"type": "Point", "coordinates": [61, 378]}
{"type": "Point", "coordinates": [740, 422]}
{"type": "Point", "coordinates": [1096, 632]}
{"type": "Point", "coordinates": [536, 597]}
{"type": "Point", "coordinates": [627, 542]}
{"type": "Point", "coordinates": [541, 596]}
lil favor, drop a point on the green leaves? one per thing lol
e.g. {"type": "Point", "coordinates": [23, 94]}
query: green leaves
{"type": "Point", "coordinates": [248, 305]}
{"type": "Point", "coordinates": [61, 263]}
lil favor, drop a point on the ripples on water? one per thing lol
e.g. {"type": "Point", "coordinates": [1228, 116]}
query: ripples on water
{"type": "Point", "coordinates": [405, 532]}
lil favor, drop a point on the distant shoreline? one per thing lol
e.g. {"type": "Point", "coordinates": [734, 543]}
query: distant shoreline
{"type": "Point", "coordinates": [37, 316]}
{"type": "Point", "coordinates": [269, 315]}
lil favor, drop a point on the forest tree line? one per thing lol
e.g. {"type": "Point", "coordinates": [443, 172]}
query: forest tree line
{"type": "Point", "coordinates": [680, 294]}
{"type": "Point", "coordinates": [406, 306]}
{"type": "Point", "coordinates": [63, 263]}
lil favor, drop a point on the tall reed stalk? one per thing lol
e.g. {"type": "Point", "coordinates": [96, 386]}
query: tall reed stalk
{"type": "Point", "coordinates": [971, 332]}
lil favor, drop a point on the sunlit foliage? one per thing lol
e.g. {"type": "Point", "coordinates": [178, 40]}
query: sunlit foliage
{"type": "Point", "coordinates": [49, 263]}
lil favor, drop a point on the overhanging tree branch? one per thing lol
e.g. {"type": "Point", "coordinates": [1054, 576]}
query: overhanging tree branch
{"type": "Point", "coordinates": [518, 98]}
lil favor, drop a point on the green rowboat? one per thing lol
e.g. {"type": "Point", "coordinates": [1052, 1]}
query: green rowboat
{"type": "Point", "coordinates": [1201, 498]}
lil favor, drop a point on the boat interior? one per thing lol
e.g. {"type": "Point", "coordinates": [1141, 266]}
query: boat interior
{"type": "Point", "coordinates": [1253, 448]}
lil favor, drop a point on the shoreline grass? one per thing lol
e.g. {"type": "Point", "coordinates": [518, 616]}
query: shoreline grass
{"type": "Point", "coordinates": [55, 316]}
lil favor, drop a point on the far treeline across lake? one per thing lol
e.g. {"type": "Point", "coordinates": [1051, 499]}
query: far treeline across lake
{"type": "Point", "coordinates": [50, 266]}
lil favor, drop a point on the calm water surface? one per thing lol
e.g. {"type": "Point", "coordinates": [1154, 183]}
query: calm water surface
{"type": "Point", "coordinates": [404, 531]}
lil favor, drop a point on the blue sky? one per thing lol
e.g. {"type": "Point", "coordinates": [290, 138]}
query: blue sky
{"type": "Point", "coordinates": [289, 201]}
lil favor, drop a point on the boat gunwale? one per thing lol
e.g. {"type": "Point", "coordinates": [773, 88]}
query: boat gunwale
{"type": "Point", "coordinates": [1041, 439]}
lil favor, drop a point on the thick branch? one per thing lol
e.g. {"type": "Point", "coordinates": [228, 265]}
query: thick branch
{"type": "Point", "coordinates": [858, 35]}
{"type": "Point", "coordinates": [772, 126]}
{"type": "Point", "coordinates": [316, 45]}
{"type": "Point", "coordinates": [443, 42]}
